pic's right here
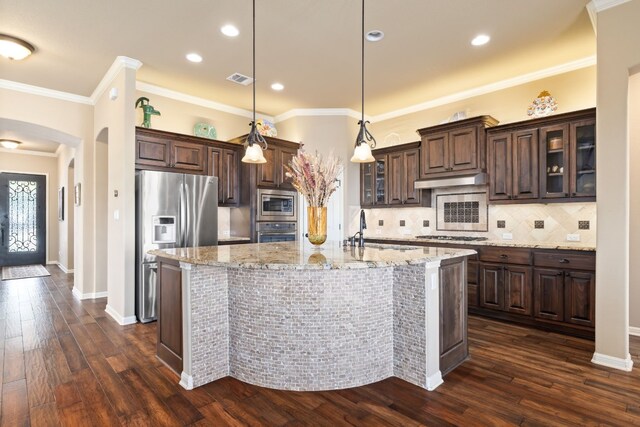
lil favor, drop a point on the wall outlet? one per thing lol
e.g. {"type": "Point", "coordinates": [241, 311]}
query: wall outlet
{"type": "Point", "coordinates": [573, 237]}
{"type": "Point", "coordinates": [426, 230]}
{"type": "Point", "coordinates": [378, 231]}
{"type": "Point", "coordinates": [226, 233]}
{"type": "Point", "coordinates": [507, 236]}
{"type": "Point", "coordinates": [406, 231]}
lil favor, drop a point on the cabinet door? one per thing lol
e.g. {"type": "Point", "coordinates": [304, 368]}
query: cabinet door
{"type": "Point", "coordinates": [491, 286]}
{"type": "Point", "coordinates": [453, 315]}
{"type": "Point", "coordinates": [230, 184]}
{"type": "Point", "coordinates": [216, 169]}
{"type": "Point", "coordinates": [583, 158]}
{"type": "Point", "coordinates": [268, 172]}
{"type": "Point", "coordinates": [518, 290]}
{"type": "Point", "coordinates": [435, 153]}
{"type": "Point", "coordinates": [463, 149]}
{"type": "Point", "coordinates": [524, 146]}
{"type": "Point", "coordinates": [579, 298]}
{"type": "Point", "coordinates": [367, 180]}
{"type": "Point", "coordinates": [554, 161]}
{"type": "Point", "coordinates": [472, 283]}
{"type": "Point", "coordinates": [381, 180]}
{"type": "Point", "coordinates": [151, 151]}
{"type": "Point", "coordinates": [499, 165]}
{"type": "Point", "coordinates": [548, 290]}
{"type": "Point", "coordinates": [395, 179]}
{"type": "Point", "coordinates": [169, 344]}
{"type": "Point", "coordinates": [188, 156]}
{"type": "Point", "coordinates": [411, 168]}
{"type": "Point", "coordinates": [284, 158]}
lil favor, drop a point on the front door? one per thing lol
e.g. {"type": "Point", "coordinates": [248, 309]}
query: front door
{"type": "Point", "coordinates": [22, 219]}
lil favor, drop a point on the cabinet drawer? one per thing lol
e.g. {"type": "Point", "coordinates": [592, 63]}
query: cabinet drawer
{"type": "Point", "coordinates": [505, 255]}
{"type": "Point", "coordinates": [565, 260]}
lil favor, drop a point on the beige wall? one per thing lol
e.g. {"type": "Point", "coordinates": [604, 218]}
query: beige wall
{"type": "Point", "coordinates": [574, 90]}
{"type": "Point", "coordinates": [618, 41]}
{"type": "Point", "coordinates": [180, 117]}
{"type": "Point", "coordinates": [101, 169]}
{"type": "Point", "coordinates": [10, 162]}
{"type": "Point", "coordinates": [634, 199]}
{"type": "Point", "coordinates": [67, 230]}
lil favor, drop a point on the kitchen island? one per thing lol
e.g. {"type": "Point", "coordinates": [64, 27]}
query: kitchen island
{"type": "Point", "coordinates": [291, 316]}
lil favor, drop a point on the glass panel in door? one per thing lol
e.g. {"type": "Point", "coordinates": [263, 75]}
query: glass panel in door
{"type": "Point", "coordinates": [583, 178]}
{"type": "Point", "coordinates": [367, 184]}
{"type": "Point", "coordinates": [381, 172]}
{"type": "Point", "coordinates": [554, 161]}
{"type": "Point", "coordinates": [22, 222]}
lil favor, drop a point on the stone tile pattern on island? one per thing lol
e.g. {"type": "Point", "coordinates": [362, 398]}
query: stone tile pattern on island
{"type": "Point", "coordinates": [409, 328]}
{"type": "Point", "coordinates": [311, 330]}
{"type": "Point", "coordinates": [209, 324]}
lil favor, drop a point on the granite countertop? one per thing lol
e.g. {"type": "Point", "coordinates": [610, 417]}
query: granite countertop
{"type": "Point", "coordinates": [571, 246]}
{"type": "Point", "coordinates": [233, 239]}
{"type": "Point", "coordinates": [301, 255]}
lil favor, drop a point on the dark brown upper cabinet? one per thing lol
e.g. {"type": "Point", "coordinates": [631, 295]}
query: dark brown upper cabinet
{"type": "Point", "coordinates": [456, 148]}
{"type": "Point", "coordinates": [278, 154]}
{"type": "Point", "coordinates": [543, 160]}
{"type": "Point", "coordinates": [389, 181]}
{"type": "Point", "coordinates": [223, 163]}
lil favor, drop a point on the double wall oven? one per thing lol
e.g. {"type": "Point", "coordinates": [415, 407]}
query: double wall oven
{"type": "Point", "coordinates": [276, 216]}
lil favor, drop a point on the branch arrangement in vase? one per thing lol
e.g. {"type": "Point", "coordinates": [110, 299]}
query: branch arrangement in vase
{"type": "Point", "coordinates": [314, 176]}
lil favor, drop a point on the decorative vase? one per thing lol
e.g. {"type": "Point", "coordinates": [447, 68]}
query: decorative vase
{"type": "Point", "coordinates": [317, 232]}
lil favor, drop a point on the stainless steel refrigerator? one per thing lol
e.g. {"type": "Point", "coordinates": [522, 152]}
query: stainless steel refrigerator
{"type": "Point", "coordinates": [172, 210]}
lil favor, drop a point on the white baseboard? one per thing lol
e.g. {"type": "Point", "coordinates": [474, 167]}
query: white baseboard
{"type": "Point", "coordinates": [613, 362]}
{"type": "Point", "coordinates": [635, 331]}
{"type": "Point", "coordinates": [129, 320]}
{"type": "Point", "coordinates": [186, 381]}
{"type": "Point", "coordinates": [52, 262]}
{"type": "Point", "coordinates": [63, 268]}
{"type": "Point", "coordinates": [434, 381]}
{"type": "Point", "coordinates": [89, 295]}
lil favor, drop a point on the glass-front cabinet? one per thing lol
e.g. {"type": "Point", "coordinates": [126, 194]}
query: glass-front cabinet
{"type": "Point", "coordinates": [567, 160]}
{"type": "Point", "coordinates": [367, 183]}
{"type": "Point", "coordinates": [583, 158]}
{"type": "Point", "coordinates": [373, 178]}
{"type": "Point", "coordinates": [381, 178]}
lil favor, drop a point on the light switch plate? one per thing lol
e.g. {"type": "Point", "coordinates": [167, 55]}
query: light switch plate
{"type": "Point", "coordinates": [573, 237]}
{"type": "Point", "coordinates": [507, 236]}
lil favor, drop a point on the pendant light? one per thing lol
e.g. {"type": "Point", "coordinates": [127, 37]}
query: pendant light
{"type": "Point", "coordinates": [255, 142]}
{"type": "Point", "coordinates": [364, 141]}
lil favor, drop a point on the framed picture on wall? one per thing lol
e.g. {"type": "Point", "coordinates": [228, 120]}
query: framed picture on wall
{"type": "Point", "coordinates": [61, 204]}
{"type": "Point", "coordinates": [77, 194]}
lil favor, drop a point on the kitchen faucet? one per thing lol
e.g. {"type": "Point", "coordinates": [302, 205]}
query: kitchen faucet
{"type": "Point", "coordinates": [363, 226]}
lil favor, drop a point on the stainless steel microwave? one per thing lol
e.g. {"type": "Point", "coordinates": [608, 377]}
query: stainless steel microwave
{"type": "Point", "coordinates": [277, 205]}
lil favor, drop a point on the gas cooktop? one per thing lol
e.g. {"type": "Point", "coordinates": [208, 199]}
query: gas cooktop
{"type": "Point", "coordinates": [461, 238]}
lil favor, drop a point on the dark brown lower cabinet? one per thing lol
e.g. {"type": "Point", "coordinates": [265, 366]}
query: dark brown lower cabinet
{"type": "Point", "coordinates": [491, 286]}
{"type": "Point", "coordinates": [549, 290]}
{"type": "Point", "coordinates": [505, 288]}
{"type": "Point", "coordinates": [454, 348]}
{"type": "Point", "coordinates": [565, 296]}
{"type": "Point", "coordinates": [169, 346]}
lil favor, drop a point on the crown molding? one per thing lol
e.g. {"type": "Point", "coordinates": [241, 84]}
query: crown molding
{"type": "Point", "coordinates": [41, 91]}
{"type": "Point", "coordinates": [202, 102]}
{"type": "Point", "coordinates": [120, 63]}
{"type": "Point", "coordinates": [492, 87]}
{"type": "Point", "coordinates": [28, 152]}
{"type": "Point", "coordinates": [297, 112]}
{"type": "Point", "coordinates": [600, 5]}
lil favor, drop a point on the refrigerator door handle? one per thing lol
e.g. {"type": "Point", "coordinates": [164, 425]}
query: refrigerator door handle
{"type": "Point", "coordinates": [183, 215]}
{"type": "Point", "coordinates": [187, 218]}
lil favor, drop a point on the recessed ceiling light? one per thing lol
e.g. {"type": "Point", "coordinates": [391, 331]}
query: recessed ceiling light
{"type": "Point", "coordinates": [13, 48]}
{"type": "Point", "coordinates": [480, 39]}
{"type": "Point", "coordinates": [277, 86]}
{"type": "Point", "coordinates": [9, 143]}
{"type": "Point", "coordinates": [194, 57]}
{"type": "Point", "coordinates": [230, 30]}
{"type": "Point", "coordinates": [375, 35]}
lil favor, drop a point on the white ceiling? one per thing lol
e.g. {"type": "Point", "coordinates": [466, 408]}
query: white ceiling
{"type": "Point", "coordinates": [311, 46]}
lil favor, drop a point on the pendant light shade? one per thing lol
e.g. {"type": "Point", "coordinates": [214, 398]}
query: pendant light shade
{"type": "Point", "coordinates": [255, 142]}
{"type": "Point", "coordinates": [364, 141]}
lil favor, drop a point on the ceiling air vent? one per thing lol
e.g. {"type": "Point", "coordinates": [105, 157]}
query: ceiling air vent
{"type": "Point", "coordinates": [241, 79]}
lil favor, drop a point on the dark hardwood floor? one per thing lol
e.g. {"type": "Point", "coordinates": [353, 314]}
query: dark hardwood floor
{"type": "Point", "coordinates": [66, 362]}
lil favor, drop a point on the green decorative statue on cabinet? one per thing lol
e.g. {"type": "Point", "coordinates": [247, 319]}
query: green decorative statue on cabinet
{"type": "Point", "coordinates": [148, 111]}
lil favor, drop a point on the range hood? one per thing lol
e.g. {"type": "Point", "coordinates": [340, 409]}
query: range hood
{"type": "Point", "coordinates": [455, 181]}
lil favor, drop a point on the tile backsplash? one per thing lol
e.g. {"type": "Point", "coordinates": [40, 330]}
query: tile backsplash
{"type": "Point", "coordinates": [559, 219]}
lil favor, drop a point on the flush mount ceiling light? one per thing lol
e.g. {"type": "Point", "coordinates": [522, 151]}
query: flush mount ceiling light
{"type": "Point", "coordinates": [480, 40]}
{"type": "Point", "coordinates": [229, 30]}
{"type": "Point", "coordinates": [255, 142]}
{"type": "Point", "coordinates": [277, 86]}
{"type": "Point", "coordinates": [364, 141]}
{"type": "Point", "coordinates": [375, 35]}
{"type": "Point", "coordinates": [14, 48]}
{"type": "Point", "coordinates": [9, 143]}
{"type": "Point", "coordinates": [194, 57]}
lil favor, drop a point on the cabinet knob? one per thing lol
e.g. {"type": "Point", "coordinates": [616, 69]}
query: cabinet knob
{"type": "Point", "coordinates": [563, 261]}
{"type": "Point", "coordinates": [515, 196]}
{"type": "Point", "coordinates": [574, 193]}
{"type": "Point", "coordinates": [560, 273]}
{"type": "Point", "coordinates": [504, 256]}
